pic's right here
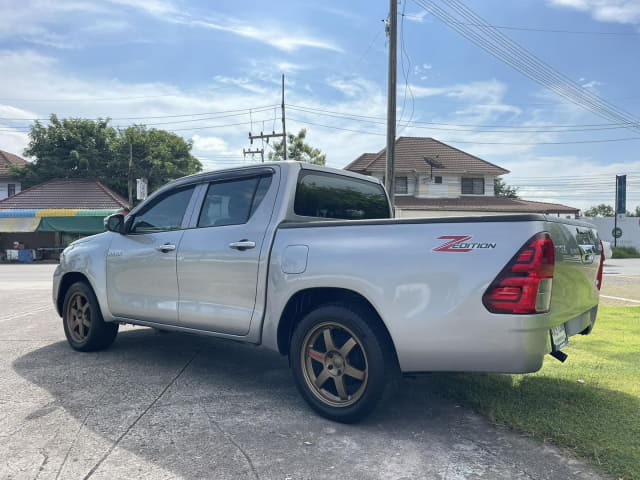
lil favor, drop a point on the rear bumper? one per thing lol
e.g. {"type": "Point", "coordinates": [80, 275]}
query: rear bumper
{"type": "Point", "coordinates": [506, 344]}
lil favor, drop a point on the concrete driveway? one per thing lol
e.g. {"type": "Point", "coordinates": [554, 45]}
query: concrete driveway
{"type": "Point", "coordinates": [165, 406]}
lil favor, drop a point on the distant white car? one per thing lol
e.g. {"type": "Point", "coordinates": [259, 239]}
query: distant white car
{"type": "Point", "coordinates": [608, 253]}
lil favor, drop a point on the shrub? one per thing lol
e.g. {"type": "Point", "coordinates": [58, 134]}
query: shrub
{"type": "Point", "coordinates": [625, 252]}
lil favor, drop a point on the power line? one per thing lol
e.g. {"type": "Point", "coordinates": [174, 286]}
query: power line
{"type": "Point", "coordinates": [578, 177]}
{"type": "Point", "coordinates": [512, 129]}
{"type": "Point", "coordinates": [107, 99]}
{"type": "Point", "coordinates": [405, 74]}
{"type": "Point", "coordinates": [305, 122]}
{"type": "Point", "coordinates": [548, 30]}
{"type": "Point", "coordinates": [26, 129]}
{"type": "Point", "coordinates": [334, 113]}
{"type": "Point", "coordinates": [542, 72]}
{"type": "Point", "coordinates": [375, 38]}
{"type": "Point", "coordinates": [304, 108]}
{"type": "Point", "coordinates": [243, 110]}
{"type": "Point", "coordinates": [504, 48]}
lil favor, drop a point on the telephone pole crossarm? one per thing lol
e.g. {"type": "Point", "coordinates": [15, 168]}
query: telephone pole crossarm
{"type": "Point", "coordinates": [264, 135]}
{"type": "Point", "coordinates": [246, 152]}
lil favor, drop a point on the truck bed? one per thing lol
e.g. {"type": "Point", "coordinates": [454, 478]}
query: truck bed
{"type": "Point", "coordinates": [429, 295]}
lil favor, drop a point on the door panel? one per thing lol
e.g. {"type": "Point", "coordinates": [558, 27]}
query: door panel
{"type": "Point", "coordinates": [141, 265]}
{"type": "Point", "coordinates": [218, 265]}
{"type": "Point", "coordinates": [141, 279]}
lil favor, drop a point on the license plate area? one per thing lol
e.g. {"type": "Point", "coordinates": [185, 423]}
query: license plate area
{"type": "Point", "coordinates": [559, 337]}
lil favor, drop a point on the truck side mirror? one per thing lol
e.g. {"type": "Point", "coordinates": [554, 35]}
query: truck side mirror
{"type": "Point", "coordinates": [114, 223]}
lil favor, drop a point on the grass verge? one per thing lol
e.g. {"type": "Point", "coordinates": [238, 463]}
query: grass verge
{"type": "Point", "coordinates": [625, 252]}
{"type": "Point", "coordinates": [589, 405]}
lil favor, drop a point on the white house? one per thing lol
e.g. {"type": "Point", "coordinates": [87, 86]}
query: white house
{"type": "Point", "coordinates": [434, 179]}
{"type": "Point", "coordinates": [8, 186]}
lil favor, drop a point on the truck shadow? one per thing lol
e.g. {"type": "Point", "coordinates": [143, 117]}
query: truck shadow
{"type": "Point", "coordinates": [202, 407]}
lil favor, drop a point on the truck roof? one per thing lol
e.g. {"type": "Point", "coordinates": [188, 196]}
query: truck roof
{"type": "Point", "coordinates": [291, 167]}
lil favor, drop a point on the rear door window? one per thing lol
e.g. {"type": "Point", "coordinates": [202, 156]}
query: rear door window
{"type": "Point", "coordinates": [232, 202]}
{"type": "Point", "coordinates": [328, 195]}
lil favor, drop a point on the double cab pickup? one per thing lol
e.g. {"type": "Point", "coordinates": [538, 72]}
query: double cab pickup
{"type": "Point", "coordinates": [309, 261]}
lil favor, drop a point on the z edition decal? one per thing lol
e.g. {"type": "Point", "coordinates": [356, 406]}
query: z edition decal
{"type": "Point", "coordinates": [460, 243]}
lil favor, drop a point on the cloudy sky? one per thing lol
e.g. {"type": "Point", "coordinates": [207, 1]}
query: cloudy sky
{"type": "Point", "coordinates": [210, 71]}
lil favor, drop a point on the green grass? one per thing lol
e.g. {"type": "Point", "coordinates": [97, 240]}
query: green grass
{"type": "Point", "coordinates": [625, 252]}
{"type": "Point", "coordinates": [590, 405]}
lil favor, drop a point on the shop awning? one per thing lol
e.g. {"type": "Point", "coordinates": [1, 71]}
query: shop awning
{"type": "Point", "coordinates": [18, 224]}
{"type": "Point", "coordinates": [86, 225]}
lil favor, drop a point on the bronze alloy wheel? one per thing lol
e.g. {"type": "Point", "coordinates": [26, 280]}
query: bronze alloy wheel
{"type": "Point", "coordinates": [334, 364]}
{"type": "Point", "coordinates": [78, 317]}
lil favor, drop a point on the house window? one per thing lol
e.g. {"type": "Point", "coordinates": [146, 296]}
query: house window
{"type": "Point", "coordinates": [401, 186]}
{"type": "Point", "coordinates": [473, 186]}
{"type": "Point", "coordinates": [437, 179]}
{"type": "Point", "coordinates": [11, 189]}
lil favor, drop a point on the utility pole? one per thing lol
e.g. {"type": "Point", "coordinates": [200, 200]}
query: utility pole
{"type": "Point", "coordinates": [273, 134]}
{"type": "Point", "coordinates": [284, 126]}
{"type": "Point", "coordinates": [130, 177]}
{"type": "Point", "coordinates": [392, 32]}
{"type": "Point", "coordinates": [252, 152]}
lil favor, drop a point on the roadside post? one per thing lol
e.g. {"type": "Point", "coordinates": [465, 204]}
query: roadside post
{"type": "Point", "coordinates": [621, 205]}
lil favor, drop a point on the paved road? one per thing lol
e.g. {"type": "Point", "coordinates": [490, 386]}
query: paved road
{"type": "Point", "coordinates": [621, 282]}
{"type": "Point", "coordinates": [168, 406]}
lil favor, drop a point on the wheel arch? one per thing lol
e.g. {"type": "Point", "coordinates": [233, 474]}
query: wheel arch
{"type": "Point", "coordinates": [66, 281]}
{"type": "Point", "coordinates": [304, 301]}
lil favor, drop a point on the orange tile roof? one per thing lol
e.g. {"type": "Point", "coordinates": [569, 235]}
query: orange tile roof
{"type": "Point", "coordinates": [411, 153]}
{"type": "Point", "coordinates": [66, 193]}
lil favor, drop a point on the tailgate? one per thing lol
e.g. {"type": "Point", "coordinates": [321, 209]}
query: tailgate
{"type": "Point", "coordinates": [577, 254]}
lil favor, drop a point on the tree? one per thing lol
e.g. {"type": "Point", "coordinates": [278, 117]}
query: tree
{"type": "Point", "coordinates": [298, 150]}
{"type": "Point", "coordinates": [68, 148]}
{"type": "Point", "coordinates": [158, 156]}
{"type": "Point", "coordinates": [635, 213]}
{"type": "Point", "coordinates": [501, 189]}
{"type": "Point", "coordinates": [84, 148]}
{"type": "Point", "coordinates": [601, 210]}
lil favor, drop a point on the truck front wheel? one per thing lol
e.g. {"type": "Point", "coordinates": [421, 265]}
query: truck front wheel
{"type": "Point", "coordinates": [341, 363]}
{"type": "Point", "coordinates": [84, 326]}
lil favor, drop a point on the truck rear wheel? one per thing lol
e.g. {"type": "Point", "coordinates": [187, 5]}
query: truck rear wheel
{"type": "Point", "coordinates": [341, 363]}
{"type": "Point", "coordinates": [84, 326]}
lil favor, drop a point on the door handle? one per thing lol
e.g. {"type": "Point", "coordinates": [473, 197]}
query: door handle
{"type": "Point", "coordinates": [243, 244]}
{"type": "Point", "coordinates": [167, 247]}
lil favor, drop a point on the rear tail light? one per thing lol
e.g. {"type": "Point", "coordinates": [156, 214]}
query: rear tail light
{"type": "Point", "coordinates": [524, 285]}
{"type": "Point", "coordinates": [599, 277]}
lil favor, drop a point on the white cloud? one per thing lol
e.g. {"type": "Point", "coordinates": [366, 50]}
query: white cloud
{"type": "Point", "coordinates": [9, 112]}
{"type": "Point", "coordinates": [619, 11]}
{"type": "Point", "coordinates": [417, 17]}
{"type": "Point", "coordinates": [57, 24]}
{"type": "Point", "coordinates": [593, 84]}
{"type": "Point", "coordinates": [279, 38]}
{"type": "Point", "coordinates": [553, 179]}
{"type": "Point", "coordinates": [12, 142]}
{"type": "Point", "coordinates": [75, 23]}
{"type": "Point", "coordinates": [289, 67]}
{"type": "Point", "coordinates": [153, 7]}
{"type": "Point", "coordinates": [215, 145]}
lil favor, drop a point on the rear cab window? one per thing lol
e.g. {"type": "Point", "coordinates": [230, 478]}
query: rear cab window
{"type": "Point", "coordinates": [333, 196]}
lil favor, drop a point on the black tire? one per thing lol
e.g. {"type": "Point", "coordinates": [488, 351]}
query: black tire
{"type": "Point", "coordinates": [358, 356]}
{"type": "Point", "coordinates": [84, 327]}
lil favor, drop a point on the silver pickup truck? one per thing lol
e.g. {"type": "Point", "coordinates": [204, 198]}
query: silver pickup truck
{"type": "Point", "coordinates": [309, 261]}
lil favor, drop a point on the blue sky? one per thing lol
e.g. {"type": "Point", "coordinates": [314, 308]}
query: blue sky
{"type": "Point", "coordinates": [160, 58]}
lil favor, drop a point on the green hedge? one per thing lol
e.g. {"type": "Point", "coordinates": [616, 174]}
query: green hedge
{"type": "Point", "coordinates": [625, 252]}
